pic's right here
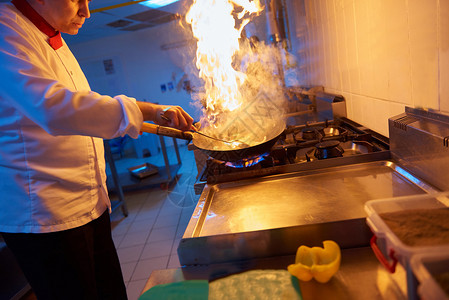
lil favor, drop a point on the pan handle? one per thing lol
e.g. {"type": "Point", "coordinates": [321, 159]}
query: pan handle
{"type": "Point", "coordinates": [166, 131]}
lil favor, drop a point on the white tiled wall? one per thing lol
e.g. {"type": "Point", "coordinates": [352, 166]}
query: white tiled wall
{"type": "Point", "coordinates": [443, 54]}
{"type": "Point", "coordinates": [381, 55]}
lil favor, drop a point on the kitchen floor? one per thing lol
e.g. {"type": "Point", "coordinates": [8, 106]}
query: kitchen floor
{"type": "Point", "coordinates": [148, 238]}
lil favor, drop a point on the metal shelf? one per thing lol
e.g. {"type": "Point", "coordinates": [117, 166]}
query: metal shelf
{"type": "Point", "coordinates": [121, 180]}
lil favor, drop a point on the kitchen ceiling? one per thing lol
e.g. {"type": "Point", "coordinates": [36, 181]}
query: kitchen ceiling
{"type": "Point", "coordinates": [113, 17]}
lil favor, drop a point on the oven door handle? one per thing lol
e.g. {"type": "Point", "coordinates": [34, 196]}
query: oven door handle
{"type": "Point", "coordinates": [390, 267]}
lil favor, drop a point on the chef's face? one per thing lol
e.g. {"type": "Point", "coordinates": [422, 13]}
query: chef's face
{"type": "Point", "coordinates": [67, 16]}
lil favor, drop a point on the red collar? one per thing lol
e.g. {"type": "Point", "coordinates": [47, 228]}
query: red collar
{"type": "Point", "coordinates": [54, 36]}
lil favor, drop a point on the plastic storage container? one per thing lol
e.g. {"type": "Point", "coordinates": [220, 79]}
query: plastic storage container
{"type": "Point", "coordinates": [387, 246]}
{"type": "Point", "coordinates": [425, 267]}
{"type": "Point", "coordinates": [387, 241]}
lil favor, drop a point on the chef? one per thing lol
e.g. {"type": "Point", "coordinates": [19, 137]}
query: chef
{"type": "Point", "coordinates": [54, 206]}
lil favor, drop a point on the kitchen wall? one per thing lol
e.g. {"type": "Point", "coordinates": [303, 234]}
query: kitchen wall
{"type": "Point", "coordinates": [381, 55]}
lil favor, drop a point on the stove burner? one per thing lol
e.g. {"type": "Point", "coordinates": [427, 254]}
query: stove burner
{"type": "Point", "coordinates": [328, 149]}
{"type": "Point", "coordinates": [332, 131]}
{"type": "Point", "coordinates": [311, 133]}
{"type": "Point", "coordinates": [247, 162]}
{"type": "Point", "coordinates": [215, 167]}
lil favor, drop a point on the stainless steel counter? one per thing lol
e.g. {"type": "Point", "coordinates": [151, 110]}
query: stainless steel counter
{"type": "Point", "coordinates": [360, 276]}
{"type": "Point", "coordinates": [271, 216]}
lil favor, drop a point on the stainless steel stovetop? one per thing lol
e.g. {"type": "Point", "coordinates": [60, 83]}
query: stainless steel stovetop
{"type": "Point", "coordinates": [301, 145]}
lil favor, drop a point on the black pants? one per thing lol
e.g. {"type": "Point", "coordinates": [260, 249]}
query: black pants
{"type": "Point", "coordinates": [79, 263]}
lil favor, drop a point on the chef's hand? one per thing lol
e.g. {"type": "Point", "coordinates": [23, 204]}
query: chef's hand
{"type": "Point", "coordinates": [165, 115]}
{"type": "Point", "coordinates": [174, 116]}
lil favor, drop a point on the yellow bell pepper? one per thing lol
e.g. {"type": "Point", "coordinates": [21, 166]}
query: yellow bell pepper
{"type": "Point", "coordinates": [316, 262]}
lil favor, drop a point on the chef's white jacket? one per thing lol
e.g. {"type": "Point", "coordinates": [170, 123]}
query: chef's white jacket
{"type": "Point", "coordinates": [52, 168]}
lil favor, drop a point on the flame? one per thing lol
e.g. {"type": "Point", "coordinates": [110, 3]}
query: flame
{"type": "Point", "coordinates": [247, 162]}
{"type": "Point", "coordinates": [242, 103]}
{"type": "Point", "coordinates": [217, 26]}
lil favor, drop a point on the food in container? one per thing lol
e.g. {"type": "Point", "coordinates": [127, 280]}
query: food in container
{"type": "Point", "coordinates": [419, 227]}
{"type": "Point", "coordinates": [432, 273]}
{"type": "Point", "coordinates": [443, 281]}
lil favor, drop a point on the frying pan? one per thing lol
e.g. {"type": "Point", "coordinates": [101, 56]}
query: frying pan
{"type": "Point", "coordinates": [217, 149]}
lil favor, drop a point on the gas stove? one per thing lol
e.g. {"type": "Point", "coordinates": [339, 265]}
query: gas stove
{"type": "Point", "coordinates": [325, 140]}
{"type": "Point", "coordinates": [298, 145]}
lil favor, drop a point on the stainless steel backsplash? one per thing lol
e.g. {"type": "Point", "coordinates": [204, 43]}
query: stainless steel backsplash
{"type": "Point", "coordinates": [419, 142]}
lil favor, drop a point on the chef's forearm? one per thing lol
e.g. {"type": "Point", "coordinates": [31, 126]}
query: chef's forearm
{"type": "Point", "coordinates": [149, 110]}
